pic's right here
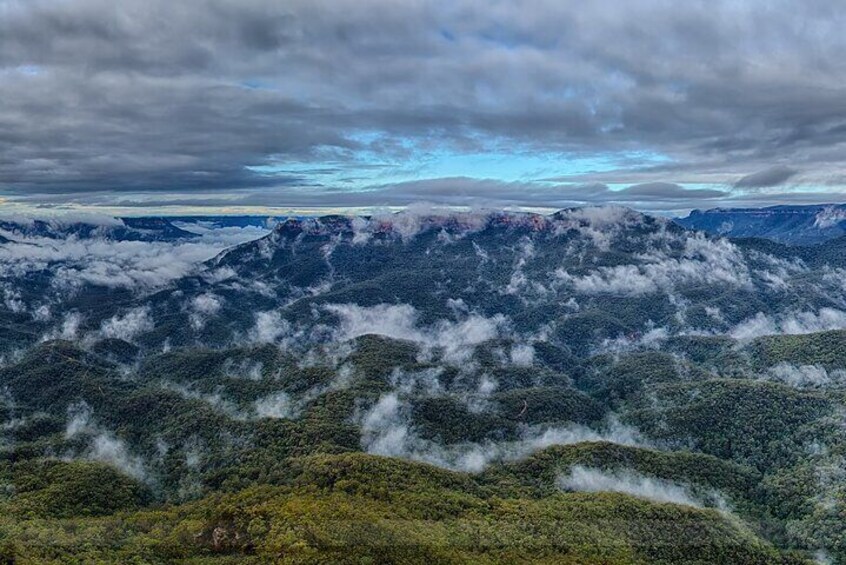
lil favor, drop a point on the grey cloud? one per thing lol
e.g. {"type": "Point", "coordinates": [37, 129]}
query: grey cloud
{"type": "Point", "coordinates": [461, 191]}
{"type": "Point", "coordinates": [668, 191]}
{"type": "Point", "coordinates": [146, 96]}
{"type": "Point", "coordinates": [773, 176]}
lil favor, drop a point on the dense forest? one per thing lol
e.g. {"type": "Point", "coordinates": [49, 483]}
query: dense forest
{"type": "Point", "coordinates": [595, 386]}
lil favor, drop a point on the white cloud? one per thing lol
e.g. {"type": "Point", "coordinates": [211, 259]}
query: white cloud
{"type": "Point", "coordinates": [269, 326]}
{"type": "Point", "coordinates": [110, 449]}
{"type": "Point", "coordinates": [276, 405]}
{"type": "Point", "coordinates": [68, 329]}
{"type": "Point", "coordinates": [135, 265]}
{"type": "Point", "coordinates": [523, 355]}
{"type": "Point", "coordinates": [129, 325]}
{"type": "Point", "coordinates": [600, 224]}
{"type": "Point", "coordinates": [42, 313]}
{"type": "Point", "coordinates": [454, 339]}
{"type": "Point", "coordinates": [104, 445]}
{"type": "Point", "coordinates": [703, 261]}
{"type": "Point", "coordinates": [386, 431]}
{"type": "Point", "coordinates": [585, 479]}
{"type": "Point", "coordinates": [805, 376]}
{"type": "Point", "coordinates": [651, 339]}
{"type": "Point", "coordinates": [245, 369]}
{"type": "Point", "coordinates": [224, 236]}
{"type": "Point", "coordinates": [479, 400]}
{"type": "Point", "coordinates": [714, 313]}
{"type": "Point", "coordinates": [829, 217]}
{"type": "Point", "coordinates": [407, 223]}
{"type": "Point", "coordinates": [202, 307]}
{"type": "Point", "coordinates": [792, 323]}
{"type": "Point", "coordinates": [12, 300]}
{"type": "Point", "coordinates": [70, 326]}
{"type": "Point", "coordinates": [519, 280]}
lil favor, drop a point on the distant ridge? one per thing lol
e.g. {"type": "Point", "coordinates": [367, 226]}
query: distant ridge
{"type": "Point", "coordinates": [791, 225]}
{"type": "Point", "coordinates": [116, 229]}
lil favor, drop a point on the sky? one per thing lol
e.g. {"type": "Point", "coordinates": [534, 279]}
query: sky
{"type": "Point", "coordinates": [209, 106]}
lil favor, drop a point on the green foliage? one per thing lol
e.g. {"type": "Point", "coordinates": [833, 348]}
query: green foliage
{"type": "Point", "coordinates": [354, 509]}
{"type": "Point", "coordinates": [827, 349]}
{"type": "Point", "coordinates": [747, 421]}
{"type": "Point", "coordinates": [297, 489]}
{"type": "Point", "coordinates": [539, 470]}
{"type": "Point", "coordinates": [57, 489]}
{"type": "Point", "coordinates": [611, 379]}
{"type": "Point", "coordinates": [712, 352]}
{"type": "Point", "coordinates": [537, 405]}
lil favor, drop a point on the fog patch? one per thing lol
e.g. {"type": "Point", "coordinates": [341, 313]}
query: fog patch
{"type": "Point", "coordinates": [225, 236]}
{"type": "Point", "coordinates": [519, 282]}
{"type": "Point", "coordinates": [453, 340]}
{"type": "Point", "coordinates": [220, 274]}
{"type": "Point", "coordinates": [586, 479]}
{"type": "Point", "coordinates": [129, 325]}
{"type": "Point", "coordinates": [386, 431]}
{"type": "Point", "coordinates": [702, 260]}
{"type": "Point", "coordinates": [42, 313]}
{"type": "Point", "coordinates": [214, 400]}
{"type": "Point", "coordinates": [794, 323]}
{"type": "Point", "coordinates": [416, 218]}
{"type": "Point", "coordinates": [329, 355]}
{"type": "Point", "coordinates": [11, 357]}
{"type": "Point", "coordinates": [425, 382]}
{"type": "Point", "coordinates": [276, 405]}
{"type": "Point", "coordinates": [600, 224]}
{"type": "Point", "coordinates": [203, 307]}
{"type": "Point", "coordinates": [652, 339]}
{"type": "Point", "coordinates": [805, 376]}
{"type": "Point", "coordinates": [522, 355]}
{"type": "Point", "coordinates": [135, 265]}
{"type": "Point", "coordinates": [104, 446]}
{"type": "Point", "coordinates": [829, 217]}
{"type": "Point", "coordinates": [479, 400]}
{"type": "Point", "coordinates": [12, 300]}
{"type": "Point", "coordinates": [70, 262]}
{"type": "Point", "coordinates": [245, 369]}
{"type": "Point", "coordinates": [823, 558]}
{"type": "Point", "coordinates": [269, 327]}
{"type": "Point", "coordinates": [715, 314]}
{"type": "Point", "coordinates": [68, 330]}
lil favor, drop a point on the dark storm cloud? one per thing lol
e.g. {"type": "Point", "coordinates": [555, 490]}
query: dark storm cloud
{"type": "Point", "coordinates": [142, 96]}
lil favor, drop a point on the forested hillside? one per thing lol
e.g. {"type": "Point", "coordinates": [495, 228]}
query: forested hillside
{"type": "Point", "coordinates": [592, 386]}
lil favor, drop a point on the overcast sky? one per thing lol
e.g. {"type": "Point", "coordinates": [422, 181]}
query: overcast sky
{"type": "Point", "coordinates": [299, 104]}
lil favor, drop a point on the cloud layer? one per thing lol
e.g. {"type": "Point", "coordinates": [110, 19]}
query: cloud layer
{"type": "Point", "coordinates": [376, 102]}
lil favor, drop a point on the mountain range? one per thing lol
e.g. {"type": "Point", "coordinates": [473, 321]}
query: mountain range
{"type": "Point", "coordinates": [792, 225]}
{"type": "Point", "coordinates": [595, 385]}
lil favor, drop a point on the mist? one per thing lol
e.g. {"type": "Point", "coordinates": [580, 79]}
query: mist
{"type": "Point", "coordinates": [586, 479]}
